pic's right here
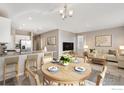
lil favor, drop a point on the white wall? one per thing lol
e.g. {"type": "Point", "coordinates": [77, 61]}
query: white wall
{"type": "Point", "coordinates": [117, 37]}
{"type": "Point", "coordinates": [61, 36]}
{"type": "Point", "coordinates": [65, 36]}
{"type": "Point", "coordinates": [43, 38]}
{"type": "Point", "coordinates": [5, 30]}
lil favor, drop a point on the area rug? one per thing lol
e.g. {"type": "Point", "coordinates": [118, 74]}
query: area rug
{"type": "Point", "coordinates": [108, 80]}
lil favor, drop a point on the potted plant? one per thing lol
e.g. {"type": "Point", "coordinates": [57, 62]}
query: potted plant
{"type": "Point", "coordinates": [65, 59]}
{"type": "Point", "coordinates": [92, 50]}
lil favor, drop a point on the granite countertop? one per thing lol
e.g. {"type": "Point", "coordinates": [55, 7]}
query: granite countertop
{"type": "Point", "coordinates": [23, 53]}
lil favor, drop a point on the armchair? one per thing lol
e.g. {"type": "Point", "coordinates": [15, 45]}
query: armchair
{"type": "Point", "coordinates": [121, 61]}
{"type": "Point", "coordinates": [120, 57]}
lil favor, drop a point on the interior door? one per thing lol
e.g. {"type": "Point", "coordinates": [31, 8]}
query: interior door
{"type": "Point", "coordinates": [80, 44]}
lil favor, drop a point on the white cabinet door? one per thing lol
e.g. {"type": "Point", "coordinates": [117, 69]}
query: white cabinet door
{"type": "Point", "coordinates": [5, 30]}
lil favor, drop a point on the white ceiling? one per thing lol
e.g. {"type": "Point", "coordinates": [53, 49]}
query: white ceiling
{"type": "Point", "coordinates": [43, 17]}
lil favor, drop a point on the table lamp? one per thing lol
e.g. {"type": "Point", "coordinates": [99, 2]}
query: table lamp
{"type": "Point", "coordinates": [45, 49]}
{"type": "Point", "coordinates": [121, 50]}
{"type": "Point", "coordinates": [85, 47]}
{"type": "Point", "coordinates": [121, 47]}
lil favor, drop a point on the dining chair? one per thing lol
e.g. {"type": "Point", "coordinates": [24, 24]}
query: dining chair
{"type": "Point", "coordinates": [85, 54]}
{"type": "Point", "coordinates": [68, 84]}
{"type": "Point", "coordinates": [47, 81]}
{"type": "Point", "coordinates": [35, 76]}
{"type": "Point", "coordinates": [99, 80]}
{"type": "Point", "coordinates": [13, 62]}
{"type": "Point", "coordinates": [80, 59]}
{"type": "Point", "coordinates": [101, 76]}
{"type": "Point", "coordinates": [31, 62]}
{"type": "Point", "coordinates": [85, 59]}
{"type": "Point", "coordinates": [47, 57]}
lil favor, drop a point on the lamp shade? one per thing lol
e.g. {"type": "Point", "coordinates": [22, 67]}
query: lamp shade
{"type": "Point", "coordinates": [45, 49]}
{"type": "Point", "coordinates": [121, 47]}
{"type": "Point", "coordinates": [85, 46]}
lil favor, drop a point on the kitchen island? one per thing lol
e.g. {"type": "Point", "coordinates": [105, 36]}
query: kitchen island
{"type": "Point", "coordinates": [22, 59]}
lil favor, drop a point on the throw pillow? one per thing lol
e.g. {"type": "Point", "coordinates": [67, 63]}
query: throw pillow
{"type": "Point", "coordinates": [112, 52]}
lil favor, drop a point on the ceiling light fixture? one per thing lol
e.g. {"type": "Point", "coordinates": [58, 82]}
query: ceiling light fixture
{"type": "Point", "coordinates": [65, 12]}
{"type": "Point", "coordinates": [23, 24]}
{"type": "Point", "coordinates": [29, 18]}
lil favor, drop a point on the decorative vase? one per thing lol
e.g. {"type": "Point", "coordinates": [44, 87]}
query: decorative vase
{"type": "Point", "coordinates": [65, 64]}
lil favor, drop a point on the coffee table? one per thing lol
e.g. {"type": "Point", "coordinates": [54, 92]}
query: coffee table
{"type": "Point", "coordinates": [98, 59]}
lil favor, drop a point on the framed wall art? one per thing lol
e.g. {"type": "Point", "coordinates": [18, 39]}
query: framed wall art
{"type": "Point", "coordinates": [103, 41]}
{"type": "Point", "coordinates": [51, 40]}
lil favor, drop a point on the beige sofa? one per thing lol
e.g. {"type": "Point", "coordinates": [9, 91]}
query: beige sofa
{"type": "Point", "coordinates": [120, 58]}
{"type": "Point", "coordinates": [111, 55]}
{"type": "Point", "coordinates": [121, 61]}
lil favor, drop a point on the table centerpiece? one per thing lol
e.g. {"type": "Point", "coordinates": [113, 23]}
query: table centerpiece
{"type": "Point", "coordinates": [65, 59]}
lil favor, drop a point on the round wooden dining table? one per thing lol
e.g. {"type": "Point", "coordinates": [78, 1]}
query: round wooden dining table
{"type": "Point", "coordinates": [65, 74]}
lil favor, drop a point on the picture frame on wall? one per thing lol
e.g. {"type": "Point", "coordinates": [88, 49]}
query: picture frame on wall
{"type": "Point", "coordinates": [51, 40]}
{"type": "Point", "coordinates": [103, 41]}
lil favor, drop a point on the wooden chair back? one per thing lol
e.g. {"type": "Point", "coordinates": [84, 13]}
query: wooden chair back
{"type": "Point", "coordinates": [48, 57]}
{"type": "Point", "coordinates": [34, 76]}
{"type": "Point", "coordinates": [11, 60]}
{"type": "Point", "coordinates": [85, 54]}
{"type": "Point", "coordinates": [101, 76]}
{"type": "Point", "coordinates": [32, 61]}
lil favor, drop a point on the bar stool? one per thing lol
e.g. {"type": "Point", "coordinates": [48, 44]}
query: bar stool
{"type": "Point", "coordinates": [31, 62]}
{"type": "Point", "coordinates": [10, 61]}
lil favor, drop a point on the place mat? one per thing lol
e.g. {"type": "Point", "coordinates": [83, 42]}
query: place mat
{"type": "Point", "coordinates": [53, 71]}
{"type": "Point", "coordinates": [79, 72]}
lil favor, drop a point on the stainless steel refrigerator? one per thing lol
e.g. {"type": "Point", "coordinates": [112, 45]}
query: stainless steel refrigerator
{"type": "Point", "coordinates": [25, 45]}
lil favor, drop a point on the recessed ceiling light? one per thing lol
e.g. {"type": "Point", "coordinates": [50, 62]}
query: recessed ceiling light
{"type": "Point", "coordinates": [23, 24]}
{"type": "Point", "coordinates": [29, 18]}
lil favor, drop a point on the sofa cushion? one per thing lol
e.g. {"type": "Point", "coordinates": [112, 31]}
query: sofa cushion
{"type": "Point", "coordinates": [112, 52]}
{"type": "Point", "coordinates": [111, 57]}
{"type": "Point", "coordinates": [122, 53]}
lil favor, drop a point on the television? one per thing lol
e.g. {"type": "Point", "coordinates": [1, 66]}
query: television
{"type": "Point", "coordinates": [68, 46]}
